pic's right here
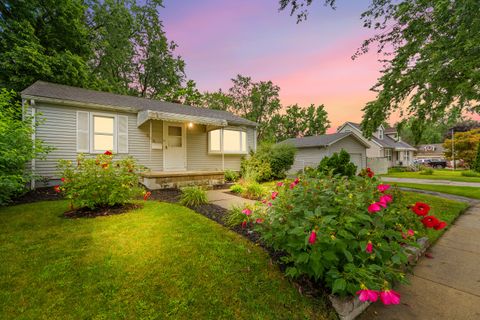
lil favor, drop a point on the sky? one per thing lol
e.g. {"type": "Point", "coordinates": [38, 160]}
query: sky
{"type": "Point", "coordinates": [310, 61]}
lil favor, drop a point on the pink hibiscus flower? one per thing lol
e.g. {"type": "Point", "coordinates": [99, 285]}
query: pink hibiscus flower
{"type": "Point", "coordinates": [383, 187]}
{"type": "Point", "coordinates": [374, 207]}
{"type": "Point", "coordinates": [247, 211]}
{"type": "Point", "coordinates": [280, 184]}
{"type": "Point", "coordinates": [387, 198]}
{"type": "Point", "coordinates": [313, 237]}
{"type": "Point", "coordinates": [369, 247]}
{"type": "Point", "coordinates": [367, 295]}
{"type": "Point", "coordinates": [274, 195]}
{"type": "Point", "coordinates": [390, 297]}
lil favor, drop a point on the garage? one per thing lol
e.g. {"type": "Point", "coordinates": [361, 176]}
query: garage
{"type": "Point", "coordinates": [311, 150]}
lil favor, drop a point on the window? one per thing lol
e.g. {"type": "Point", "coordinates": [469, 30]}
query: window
{"type": "Point", "coordinates": [98, 132]}
{"type": "Point", "coordinates": [103, 133]}
{"type": "Point", "coordinates": [406, 156]}
{"type": "Point", "coordinates": [230, 141]}
{"type": "Point", "coordinates": [388, 154]}
{"type": "Point", "coordinates": [380, 134]}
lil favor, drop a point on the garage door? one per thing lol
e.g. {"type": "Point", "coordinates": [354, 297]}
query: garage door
{"type": "Point", "coordinates": [356, 159]}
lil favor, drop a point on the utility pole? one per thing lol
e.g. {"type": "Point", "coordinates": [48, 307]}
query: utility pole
{"type": "Point", "coordinates": [453, 149]}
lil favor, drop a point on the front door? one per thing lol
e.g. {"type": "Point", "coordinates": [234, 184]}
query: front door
{"type": "Point", "coordinates": [174, 151]}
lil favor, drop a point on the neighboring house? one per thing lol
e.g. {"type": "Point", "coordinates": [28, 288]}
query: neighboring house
{"type": "Point", "coordinates": [311, 150]}
{"type": "Point", "coordinates": [385, 143]}
{"type": "Point", "coordinates": [179, 144]}
{"type": "Point", "coordinates": [430, 151]}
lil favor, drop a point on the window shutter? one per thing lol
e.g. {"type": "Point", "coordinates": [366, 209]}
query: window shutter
{"type": "Point", "coordinates": [122, 134]}
{"type": "Point", "coordinates": [83, 125]}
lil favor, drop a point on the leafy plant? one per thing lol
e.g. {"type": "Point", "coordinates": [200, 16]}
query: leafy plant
{"type": "Point", "coordinates": [193, 196]}
{"type": "Point", "coordinates": [349, 233]}
{"type": "Point", "coordinates": [100, 181]}
{"type": "Point", "coordinates": [253, 190]}
{"type": "Point", "coordinates": [254, 169]}
{"type": "Point", "coordinates": [337, 164]}
{"type": "Point", "coordinates": [468, 173]}
{"type": "Point", "coordinates": [235, 216]}
{"type": "Point", "coordinates": [427, 171]}
{"type": "Point", "coordinates": [16, 147]}
{"type": "Point", "coordinates": [237, 188]}
{"type": "Point", "coordinates": [231, 176]}
{"type": "Point", "coordinates": [476, 162]}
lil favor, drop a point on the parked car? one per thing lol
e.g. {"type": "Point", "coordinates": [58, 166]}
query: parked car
{"type": "Point", "coordinates": [438, 163]}
{"type": "Point", "coordinates": [422, 161]}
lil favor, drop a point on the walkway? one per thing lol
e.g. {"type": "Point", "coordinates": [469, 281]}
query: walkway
{"type": "Point", "coordinates": [446, 286]}
{"type": "Point", "coordinates": [436, 182]}
{"type": "Point", "coordinates": [225, 199]}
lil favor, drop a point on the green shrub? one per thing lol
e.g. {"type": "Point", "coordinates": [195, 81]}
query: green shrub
{"type": "Point", "coordinates": [253, 190]}
{"type": "Point", "coordinates": [100, 181]}
{"type": "Point", "coordinates": [231, 176]}
{"type": "Point", "coordinates": [427, 171]}
{"type": "Point", "coordinates": [236, 188]}
{"type": "Point", "coordinates": [270, 162]}
{"type": "Point", "coordinates": [468, 173]}
{"type": "Point", "coordinates": [397, 169]}
{"type": "Point", "coordinates": [17, 148]}
{"type": "Point", "coordinates": [331, 231]}
{"type": "Point", "coordinates": [235, 216]}
{"type": "Point", "coordinates": [338, 164]}
{"type": "Point", "coordinates": [476, 162]}
{"type": "Point", "coordinates": [193, 196]}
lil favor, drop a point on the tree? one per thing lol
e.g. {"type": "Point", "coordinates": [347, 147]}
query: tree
{"type": "Point", "coordinates": [417, 132]}
{"type": "Point", "coordinates": [46, 40]}
{"type": "Point", "coordinates": [430, 57]}
{"type": "Point", "coordinates": [300, 122]}
{"type": "Point", "coordinates": [466, 144]}
{"type": "Point", "coordinates": [476, 163]}
{"type": "Point", "coordinates": [216, 100]}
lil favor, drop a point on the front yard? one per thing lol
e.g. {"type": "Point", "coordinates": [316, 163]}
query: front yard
{"type": "Point", "coordinates": [162, 261]}
{"type": "Point", "coordinates": [469, 192]}
{"type": "Point", "coordinates": [438, 174]}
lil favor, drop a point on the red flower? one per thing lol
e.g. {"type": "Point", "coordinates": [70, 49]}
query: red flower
{"type": "Point", "coordinates": [259, 220]}
{"type": "Point", "coordinates": [280, 184]}
{"type": "Point", "coordinates": [386, 198]}
{"type": "Point", "coordinates": [292, 185]}
{"type": "Point", "coordinates": [57, 189]}
{"type": "Point", "coordinates": [147, 195]}
{"type": "Point", "coordinates": [244, 224]}
{"type": "Point", "coordinates": [296, 181]}
{"type": "Point", "coordinates": [370, 173]}
{"type": "Point", "coordinates": [440, 225]}
{"type": "Point", "coordinates": [430, 221]}
{"type": "Point", "coordinates": [390, 297]}
{"type": "Point", "coordinates": [247, 211]}
{"type": "Point", "coordinates": [383, 187]}
{"type": "Point", "coordinates": [313, 237]}
{"type": "Point", "coordinates": [421, 209]}
{"type": "Point", "coordinates": [108, 153]}
{"type": "Point", "coordinates": [274, 195]}
{"type": "Point", "coordinates": [369, 247]}
{"type": "Point", "coordinates": [104, 165]}
{"type": "Point", "coordinates": [63, 179]}
{"type": "Point", "coordinates": [367, 295]}
{"type": "Point", "coordinates": [374, 207]}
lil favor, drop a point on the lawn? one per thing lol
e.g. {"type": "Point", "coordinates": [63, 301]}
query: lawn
{"type": "Point", "coordinates": [162, 261]}
{"type": "Point", "coordinates": [444, 209]}
{"type": "Point", "coordinates": [469, 192]}
{"type": "Point", "coordinates": [438, 174]}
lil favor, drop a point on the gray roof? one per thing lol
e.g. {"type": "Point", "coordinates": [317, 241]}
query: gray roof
{"type": "Point", "coordinates": [75, 94]}
{"type": "Point", "coordinates": [386, 142]}
{"type": "Point", "coordinates": [324, 140]}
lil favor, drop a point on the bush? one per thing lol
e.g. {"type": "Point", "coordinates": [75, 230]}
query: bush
{"type": "Point", "coordinates": [235, 216]}
{"type": "Point", "coordinates": [469, 173]}
{"type": "Point", "coordinates": [338, 164]}
{"type": "Point", "coordinates": [231, 176]}
{"type": "Point", "coordinates": [476, 162]}
{"type": "Point", "coordinates": [100, 181]}
{"type": "Point", "coordinates": [237, 188]}
{"type": "Point", "coordinates": [270, 162]}
{"type": "Point", "coordinates": [348, 233]}
{"type": "Point", "coordinates": [253, 190]}
{"type": "Point", "coordinates": [17, 148]}
{"type": "Point", "coordinates": [193, 196]}
{"type": "Point", "coordinates": [427, 171]}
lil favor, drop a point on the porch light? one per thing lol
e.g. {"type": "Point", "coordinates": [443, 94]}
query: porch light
{"type": "Point", "coordinates": [190, 125]}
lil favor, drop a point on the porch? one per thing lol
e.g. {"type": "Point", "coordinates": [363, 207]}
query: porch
{"type": "Point", "coordinates": [155, 180]}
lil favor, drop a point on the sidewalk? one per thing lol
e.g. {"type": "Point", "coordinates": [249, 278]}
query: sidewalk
{"type": "Point", "coordinates": [446, 287]}
{"type": "Point", "coordinates": [225, 199]}
{"type": "Point", "coordinates": [436, 182]}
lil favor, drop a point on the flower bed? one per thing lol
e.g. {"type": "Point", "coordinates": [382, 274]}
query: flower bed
{"type": "Point", "coordinates": [354, 236]}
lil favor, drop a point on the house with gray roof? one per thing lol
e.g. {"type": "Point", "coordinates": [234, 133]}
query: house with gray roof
{"type": "Point", "coordinates": [385, 143]}
{"type": "Point", "coordinates": [178, 144]}
{"type": "Point", "coordinates": [311, 150]}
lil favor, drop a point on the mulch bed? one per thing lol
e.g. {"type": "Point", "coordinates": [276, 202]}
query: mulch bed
{"type": "Point", "coordinates": [39, 194]}
{"type": "Point", "coordinates": [100, 212]}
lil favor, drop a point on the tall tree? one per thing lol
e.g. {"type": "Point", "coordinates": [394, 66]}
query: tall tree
{"type": "Point", "coordinates": [431, 62]}
{"type": "Point", "coordinates": [418, 132]}
{"type": "Point", "coordinates": [465, 146]}
{"type": "Point", "coordinates": [44, 39]}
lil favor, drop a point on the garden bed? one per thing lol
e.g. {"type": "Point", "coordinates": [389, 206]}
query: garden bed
{"type": "Point", "coordinates": [101, 211]}
{"type": "Point", "coordinates": [39, 194]}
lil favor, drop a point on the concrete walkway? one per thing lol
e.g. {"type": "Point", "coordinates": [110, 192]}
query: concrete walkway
{"type": "Point", "coordinates": [436, 182]}
{"type": "Point", "coordinates": [446, 287]}
{"type": "Point", "coordinates": [225, 199]}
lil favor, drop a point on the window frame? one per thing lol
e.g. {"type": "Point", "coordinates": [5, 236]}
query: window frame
{"type": "Point", "coordinates": [388, 153]}
{"type": "Point", "coordinates": [243, 144]}
{"type": "Point", "coordinates": [92, 131]}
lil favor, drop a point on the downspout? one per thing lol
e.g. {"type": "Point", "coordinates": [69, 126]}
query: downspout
{"type": "Point", "coordinates": [150, 149]}
{"type": "Point", "coordinates": [255, 139]}
{"type": "Point", "coordinates": [32, 181]}
{"type": "Point", "coordinates": [221, 145]}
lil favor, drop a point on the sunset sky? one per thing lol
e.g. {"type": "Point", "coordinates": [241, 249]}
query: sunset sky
{"type": "Point", "coordinates": [310, 61]}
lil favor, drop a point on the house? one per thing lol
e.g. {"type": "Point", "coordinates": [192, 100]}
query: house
{"type": "Point", "coordinates": [385, 143]}
{"type": "Point", "coordinates": [311, 150]}
{"type": "Point", "coordinates": [430, 151]}
{"type": "Point", "coordinates": [179, 144]}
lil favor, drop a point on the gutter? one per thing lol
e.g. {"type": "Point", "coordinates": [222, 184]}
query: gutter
{"type": "Point", "coordinates": [79, 104]}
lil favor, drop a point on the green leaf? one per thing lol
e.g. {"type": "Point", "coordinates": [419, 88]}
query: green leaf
{"type": "Point", "coordinates": [339, 285]}
{"type": "Point", "coordinates": [348, 255]}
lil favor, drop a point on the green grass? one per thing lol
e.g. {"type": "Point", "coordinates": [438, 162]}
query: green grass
{"type": "Point", "coordinates": [438, 174]}
{"type": "Point", "coordinates": [469, 192]}
{"type": "Point", "coordinates": [162, 261]}
{"type": "Point", "coordinates": [444, 209]}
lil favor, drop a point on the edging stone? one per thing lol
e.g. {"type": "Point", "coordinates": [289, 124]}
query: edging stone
{"type": "Point", "coordinates": [349, 308]}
